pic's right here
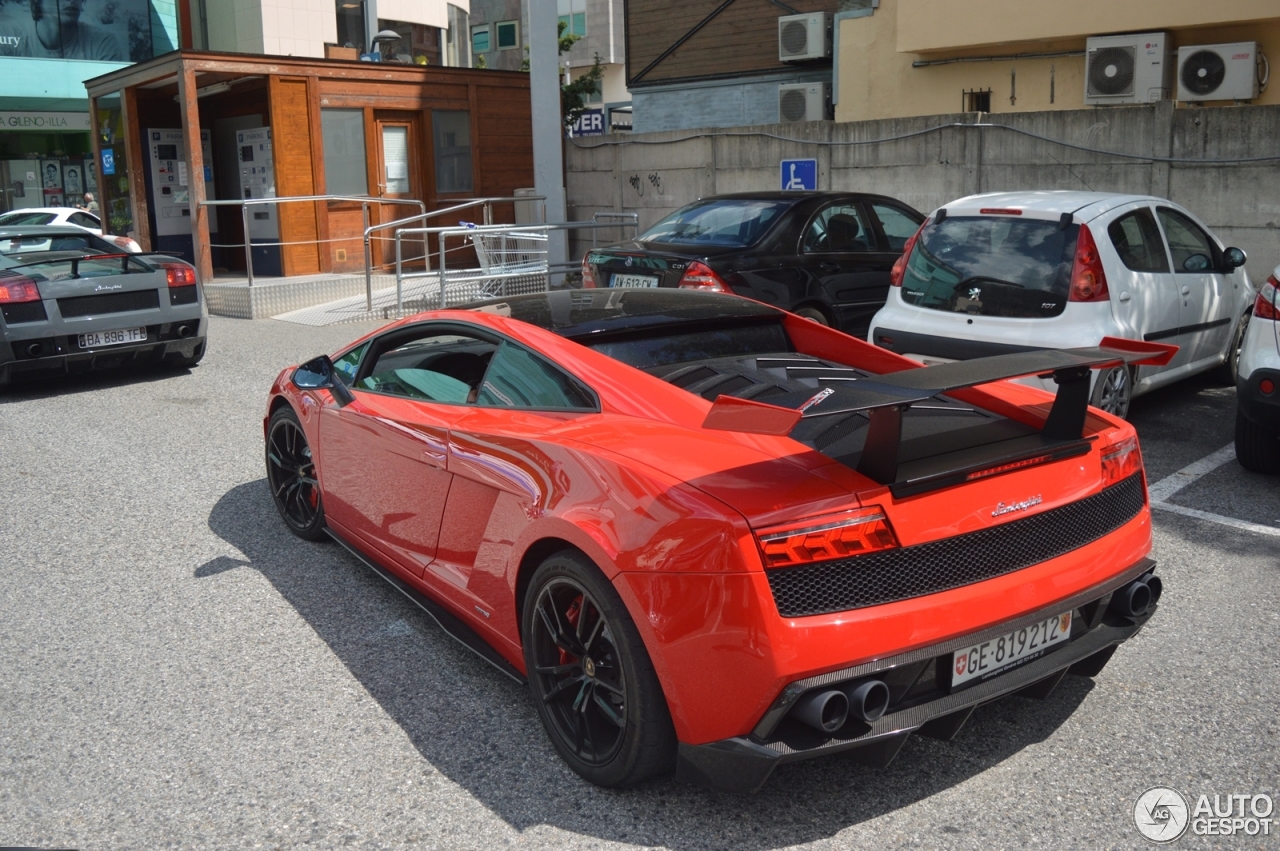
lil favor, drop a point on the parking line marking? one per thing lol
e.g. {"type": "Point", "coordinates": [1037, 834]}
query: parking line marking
{"type": "Point", "coordinates": [1171, 484]}
{"type": "Point", "coordinates": [1162, 490]}
{"type": "Point", "coordinates": [1219, 519]}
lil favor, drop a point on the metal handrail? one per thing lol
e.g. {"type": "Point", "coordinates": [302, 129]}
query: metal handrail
{"type": "Point", "coordinates": [466, 204]}
{"type": "Point", "coordinates": [290, 199]}
{"type": "Point", "coordinates": [454, 230]}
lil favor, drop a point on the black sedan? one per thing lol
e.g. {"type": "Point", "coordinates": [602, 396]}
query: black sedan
{"type": "Point", "coordinates": [823, 255]}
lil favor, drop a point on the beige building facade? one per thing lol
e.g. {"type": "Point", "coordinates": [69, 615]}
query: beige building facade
{"type": "Point", "coordinates": [927, 57]}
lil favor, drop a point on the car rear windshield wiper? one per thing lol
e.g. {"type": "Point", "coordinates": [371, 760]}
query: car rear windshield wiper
{"type": "Point", "coordinates": [976, 279]}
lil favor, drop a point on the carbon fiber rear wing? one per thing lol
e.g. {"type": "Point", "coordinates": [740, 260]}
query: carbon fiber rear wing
{"type": "Point", "coordinates": [885, 397]}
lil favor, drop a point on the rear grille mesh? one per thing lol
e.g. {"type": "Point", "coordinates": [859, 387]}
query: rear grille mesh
{"type": "Point", "coordinates": [891, 575]}
{"type": "Point", "coordinates": [93, 305]}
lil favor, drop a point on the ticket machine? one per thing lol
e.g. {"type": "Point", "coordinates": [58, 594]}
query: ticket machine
{"type": "Point", "coordinates": [258, 180]}
{"type": "Point", "coordinates": [169, 188]}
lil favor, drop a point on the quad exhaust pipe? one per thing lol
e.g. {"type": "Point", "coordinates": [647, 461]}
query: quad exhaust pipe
{"type": "Point", "coordinates": [1136, 599]}
{"type": "Point", "coordinates": [828, 711]}
{"type": "Point", "coordinates": [184, 331]}
{"type": "Point", "coordinates": [35, 350]}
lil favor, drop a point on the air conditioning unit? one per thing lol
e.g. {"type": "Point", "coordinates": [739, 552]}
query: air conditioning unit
{"type": "Point", "coordinates": [1218, 71]}
{"type": "Point", "coordinates": [1134, 68]}
{"type": "Point", "coordinates": [802, 102]}
{"type": "Point", "coordinates": [803, 37]}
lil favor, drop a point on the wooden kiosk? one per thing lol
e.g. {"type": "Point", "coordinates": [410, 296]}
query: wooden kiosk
{"type": "Point", "coordinates": [289, 127]}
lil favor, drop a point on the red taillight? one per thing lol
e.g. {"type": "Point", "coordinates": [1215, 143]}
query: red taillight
{"type": "Point", "coordinates": [699, 276]}
{"type": "Point", "coordinates": [1088, 281]}
{"type": "Point", "coordinates": [1264, 307]}
{"type": "Point", "coordinates": [1008, 468]}
{"type": "Point", "coordinates": [17, 289]}
{"type": "Point", "coordinates": [900, 265]}
{"type": "Point", "coordinates": [1121, 460]}
{"type": "Point", "coordinates": [588, 274]}
{"type": "Point", "coordinates": [179, 274]}
{"type": "Point", "coordinates": [829, 536]}
{"type": "Point", "coordinates": [999, 211]}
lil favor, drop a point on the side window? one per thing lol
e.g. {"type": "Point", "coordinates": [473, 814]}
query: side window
{"type": "Point", "coordinates": [84, 221]}
{"type": "Point", "coordinates": [839, 228]}
{"type": "Point", "coordinates": [1137, 240]}
{"type": "Point", "coordinates": [518, 378]}
{"type": "Point", "coordinates": [433, 366]}
{"type": "Point", "coordinates": [898, 227]}
{"type": "Point", "coordinates": [1186, 240]}
{"type": "Point", "coordinates": [347, 365]}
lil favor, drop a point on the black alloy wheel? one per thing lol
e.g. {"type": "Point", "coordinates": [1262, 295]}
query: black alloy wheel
{"type": "Point", "coordinates": [291, 474]}
{"type": "Point", "coordinates": [593, 683]}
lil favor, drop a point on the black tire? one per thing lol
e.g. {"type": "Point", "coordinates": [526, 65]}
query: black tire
{"type": "Point", "coordinates": [1230, 369]}
{"type": "Point", "coordinates": [291, 475]}
{"type": "Point", "coordinates": [1113, 391]}
{"type": "Point", "coordinates": [813, 313]}
{"type": "Point", "coordinates": [592, 680]}
{"type": "Point", "coordinates": [1257, 448]}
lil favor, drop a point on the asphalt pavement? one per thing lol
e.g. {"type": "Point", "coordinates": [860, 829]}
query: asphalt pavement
{"type": "Point", "coordinates": [177, 671]}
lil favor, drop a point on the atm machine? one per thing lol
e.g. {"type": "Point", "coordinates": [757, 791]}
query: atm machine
{"type": "Point", "coordinates": [169, 188]}
{"type": "Point", "coordinates": [258, 180]}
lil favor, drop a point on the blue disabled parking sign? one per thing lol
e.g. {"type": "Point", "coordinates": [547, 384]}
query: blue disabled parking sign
{"type": "Point", "coordinates": [799, 174]}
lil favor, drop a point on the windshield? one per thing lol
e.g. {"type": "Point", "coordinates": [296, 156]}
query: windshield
{"type": "Point", "coordinates": [20, 218]}
{"type": "Point", "coordinates": [992, 266]}
{"type": "Point", "coordinates": [734, 222]}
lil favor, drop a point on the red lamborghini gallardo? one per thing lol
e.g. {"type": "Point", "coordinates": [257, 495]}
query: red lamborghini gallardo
{"type": "Point", "coordinates": [714, 536]}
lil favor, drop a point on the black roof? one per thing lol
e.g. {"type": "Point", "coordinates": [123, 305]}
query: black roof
{"type": "Point", "coordinates": [579, 314]}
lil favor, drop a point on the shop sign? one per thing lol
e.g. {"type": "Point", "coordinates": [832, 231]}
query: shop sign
{"type": "Point", "coordinates": [45, 121]}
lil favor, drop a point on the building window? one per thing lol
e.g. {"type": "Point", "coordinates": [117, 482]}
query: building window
{"type": "Point", "coordinates": [573, 14]}
{"type": "Point", "coordinates": [345, 170]}
{"type": "Point", "coordinates": [480, 39]}
{"type": "Point", "coordinates": [977, 100]}
{"type": "Point", "coordinates": [508, 34]}
{"type": "Point", "coordinates": [452, 135]}
{"type": "Point", "coordinates": [351, 24]}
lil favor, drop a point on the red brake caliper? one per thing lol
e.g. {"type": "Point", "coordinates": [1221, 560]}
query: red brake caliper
{"type": "Point", "coordinates": [571, 616]}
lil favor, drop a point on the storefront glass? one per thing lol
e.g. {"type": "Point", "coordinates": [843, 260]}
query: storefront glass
{"type": "Point", "coordinates": [113, 169]}
{"type": "Point", "coordinates": [45, 160]}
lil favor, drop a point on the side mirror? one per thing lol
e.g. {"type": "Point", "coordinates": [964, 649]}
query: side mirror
{"type": "Point", "coordinates": [1235, 257]}
{"type": "Point", "coordinates": [1196, 263]}
{"type": "Point", "coordinates": [318, 374]}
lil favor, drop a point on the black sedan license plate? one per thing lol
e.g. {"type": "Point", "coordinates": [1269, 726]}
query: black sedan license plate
{"type": "Point", "coordinates": [99, 339]}
{"type": "Point", "coordinates": [981, 662]}
{"type": "Point", "coordinates": [619, 280]}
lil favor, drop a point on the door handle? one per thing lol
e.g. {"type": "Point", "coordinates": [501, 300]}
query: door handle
{"type": "Point", "coordinates": [1186, 290]}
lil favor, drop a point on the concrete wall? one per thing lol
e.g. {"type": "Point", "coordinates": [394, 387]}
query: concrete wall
{"type": "Point", "coordinates": [653, 174]}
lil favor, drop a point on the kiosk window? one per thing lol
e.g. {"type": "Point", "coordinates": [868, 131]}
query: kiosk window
{"type": "Point", "coordinates": [344, 157]}
{"type": "Point", "coordinates": [453, 150]}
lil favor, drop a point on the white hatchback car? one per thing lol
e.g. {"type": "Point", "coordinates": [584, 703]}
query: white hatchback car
{"type": "Point", "coordinates": [1018, 271]}
{"type": "Point", "coordinates": [1258, 384]}
{"type": "Point", "coordinates": [73, 216]}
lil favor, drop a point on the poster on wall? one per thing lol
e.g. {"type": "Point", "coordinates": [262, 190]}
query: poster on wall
{"type": "Point", "coordinates": [98, 30]}
{"type": "Point", "coordinates": [90, 176]}
{"type": "Point", "coordinates": [73, 182]}
{"type": "Point", "coordinates": [51, 175]}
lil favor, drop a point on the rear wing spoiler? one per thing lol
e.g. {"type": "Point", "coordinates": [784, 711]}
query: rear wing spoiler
{"type": "Point", "coordinates": [886, 396]}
